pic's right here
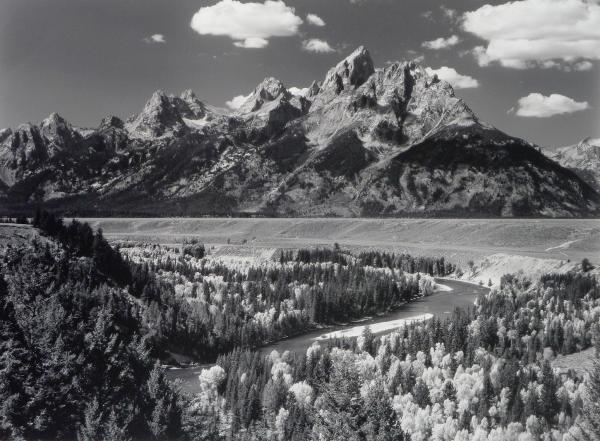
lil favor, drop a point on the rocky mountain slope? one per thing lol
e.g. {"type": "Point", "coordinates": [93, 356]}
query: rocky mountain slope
{"type": "Point", "coordinates": [582, 158]}
{"type": "Point", "coordinates": [362, 142]}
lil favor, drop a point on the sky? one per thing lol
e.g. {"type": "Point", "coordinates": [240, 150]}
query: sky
{"type": "Point", "coordinates": [529, 67]}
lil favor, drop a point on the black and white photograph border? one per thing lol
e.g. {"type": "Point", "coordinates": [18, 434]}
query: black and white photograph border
{"type": "Point", "coordinates": [299, 220]}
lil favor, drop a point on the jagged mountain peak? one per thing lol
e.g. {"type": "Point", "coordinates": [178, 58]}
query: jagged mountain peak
{"type": "Point", "coordinates": [54, 119]}
{"type": "Point", "coordinates": [188, 95]}
{"type": "Point", "coordinates": [270, 89]}
{"type": "Point", "coordinates": [583, 158]}
{"type": "Point", "coordinates": [590, 142]}
{"type": "Point", "coordinates": [389, 107]}
{"type": "Point", "coordinates": [59, 132]}
{"type": "Point", "coordinates": [5, 133]}
{"type": "Point", "coordinates": [195, 108]}
{"type": "Point", "coordinates": [313, 89]}
{"type": "Point", "coordinates": [112, 121]}
{"type": "Point", "coordinates": [158, 117]}
{"type": "Point", "coordinates": [352, 71]}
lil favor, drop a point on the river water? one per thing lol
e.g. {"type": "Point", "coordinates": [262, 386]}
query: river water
{"type": "Point", "coordinates": [440, 304]}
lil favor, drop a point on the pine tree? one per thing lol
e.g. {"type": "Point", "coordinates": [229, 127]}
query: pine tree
{"type": "Point", "coordinates": [368, 340]}
{"type": "Point", "coordinates": [548, 400]}
{"type": "Point", "coordinates": [421, 394]}
{"type": "Point", "coordinates": [91, 429]}
{"type": "Point", "coordinates": [113, 430]}
{"type": "Point", "coordinates": [591, 410]}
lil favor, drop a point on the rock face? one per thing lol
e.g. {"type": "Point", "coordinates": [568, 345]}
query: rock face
{"type": "Point", "coordinates": [582, 158]}
{"type": "Point", "coordinates": [361, 142]}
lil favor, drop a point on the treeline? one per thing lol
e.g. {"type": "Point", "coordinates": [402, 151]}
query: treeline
{"type": "Point", "coordinates": [314, 255]}
{"type": "Point", "coordinates": [433, 266]}
{"type": "Point", "coordinates": [22, 220]}
{"type": "Point", "coordinates": [81, 241]}
{"type": "Point", "coordinates": [478, 375]}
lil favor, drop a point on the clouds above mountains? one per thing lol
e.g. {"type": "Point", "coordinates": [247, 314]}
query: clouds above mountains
{"type": "Point", "coordinates": [237, 101]}
{"type": "Point", "coordinates": [315, 20]}
{"type": "Point", "coordinates": [317, 45]}
{"type": "Point", "coordinates": [442, 43]}
{"type": "Point", "coordinates": [526, 33]}
{"type": "Point", "coordinates": [449, 74]}
{"type": "Point", "coordinates": [536, 105]}
{"type": "Point", "coordinates": [250, 25]}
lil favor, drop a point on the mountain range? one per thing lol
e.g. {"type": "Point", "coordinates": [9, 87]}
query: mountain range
{"type": "Point", "coordinates": [364, 141]}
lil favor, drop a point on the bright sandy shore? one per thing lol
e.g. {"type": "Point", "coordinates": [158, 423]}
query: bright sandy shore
{"type": "Point", "coordinates": [376, 328]}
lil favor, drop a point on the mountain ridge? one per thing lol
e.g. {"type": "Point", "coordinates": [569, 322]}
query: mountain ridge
{"type": "Point", "coordinates": [582, 158]}
{"type": "Point", "coordinates": [365, 141]}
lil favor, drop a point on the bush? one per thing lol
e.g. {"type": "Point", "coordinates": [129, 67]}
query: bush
{"type": "Point", "coordinates": [586, 265]}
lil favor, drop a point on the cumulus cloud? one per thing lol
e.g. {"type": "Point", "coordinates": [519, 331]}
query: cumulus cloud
{"type": "Point", "coordinates": [536, 105]}
{"type": "Point", "coordinates": [317, 45]}
{"type": "Point", "coordinates": [250, 25]}
{"type": "Point", "coordinates": [458, 81]}
{"type": "Point", "coordinates": [237, 101]}
{"type": "Point", "coordinates": [315, 20]}
{"type": "Point", "coordinates": [527, 33]}
{"type": "Point", "coordinates": [252, 43]}
{"type": "Point", "coordinates": [583, 66]}
{"type": "Point", "coordinates": [441, 43]}
{"type": "Point", "coordinates": [155, 38]}
{"type": "Point", "coordinates": [298, 91]}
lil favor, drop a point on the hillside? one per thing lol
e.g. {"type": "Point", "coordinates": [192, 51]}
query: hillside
{"type": "Point", "coordinates": [583, 158]}
{"type": "Point", "coordinates": [392, 141]}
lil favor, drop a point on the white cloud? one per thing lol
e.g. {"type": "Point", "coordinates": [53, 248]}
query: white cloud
{"type": "Point", "coordinates": [316, 45]}
{"type": "Point", "coordinates": [457, 80]}
{"type": "Point", "coordinates": [250, 25]}
{"type": "Point", "coordinates": [441, 43]}
{"type": "Point", "coordinates": [237, 101]}
{"type": "Point", "coordinates": [583, 65]}
{"type": "Point", "coordinates": [298, 91]}
{"type": "Point", "coordinates": [252, 43]}
{"type": "Point", "coordinates": [527, 33]}
{"type": "Point", "coordinates": [536, 105]}
{"type": "Point", "coordinates": [315, 20]}
{"type": "Point", "coordinates": [155, 38]}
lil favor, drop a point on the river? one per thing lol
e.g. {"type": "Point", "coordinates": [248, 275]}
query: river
{"type": "Point", "coordinates": [440, 304]}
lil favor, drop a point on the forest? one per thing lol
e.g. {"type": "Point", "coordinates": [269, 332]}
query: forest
{"type": "Point", "coordinates": [86, 326]}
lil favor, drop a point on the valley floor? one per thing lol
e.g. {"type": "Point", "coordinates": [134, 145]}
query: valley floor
{"type": "Point", "coordinates": [546, 238]}
{"type": "Point", "coordinates": [541, 245]}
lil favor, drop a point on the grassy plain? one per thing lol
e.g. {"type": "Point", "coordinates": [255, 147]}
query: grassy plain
{"type": "Point", "coordinates": [460, 240]}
